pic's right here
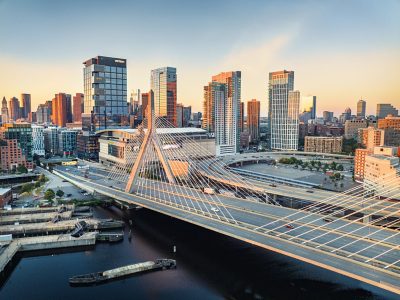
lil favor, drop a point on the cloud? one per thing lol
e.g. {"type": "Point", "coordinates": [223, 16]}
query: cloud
{"type": "Point", "coordinates": [256, 62]}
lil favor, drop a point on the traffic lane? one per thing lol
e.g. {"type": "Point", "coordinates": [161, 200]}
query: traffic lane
{"type": "Point", "coordinates": [305, 217]}
{"type": "Point", "coordinates": [318, 236]}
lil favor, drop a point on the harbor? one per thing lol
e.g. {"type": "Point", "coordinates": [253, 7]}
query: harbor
{"type": "Point", "coordinates": [56, 227]}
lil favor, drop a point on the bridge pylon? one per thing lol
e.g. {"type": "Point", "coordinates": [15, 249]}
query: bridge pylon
{"type": "Point", "coordinates": [150, 140]}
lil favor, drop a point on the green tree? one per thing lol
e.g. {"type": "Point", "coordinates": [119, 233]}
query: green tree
{"type": "Point", "coordinates": [22, 169]}
{"type": "Point", "coordinates": [37, 184]}
{"type": "Point", "coordinates": [49, 194]}
{"type": "Point", "coordinates": [42, 178]}
{"type": "Point", "coordinates": [340, 168]}
{"type": "Point", "coordinates": [60, 193]}
{"type": "Point", "coordinates": [27, 188]}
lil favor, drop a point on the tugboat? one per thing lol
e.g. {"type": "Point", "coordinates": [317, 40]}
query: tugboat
{"type": "Point", "coordinates": [100, 277]}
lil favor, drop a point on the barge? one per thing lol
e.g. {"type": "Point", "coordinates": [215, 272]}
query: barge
{"type": "Point", "coordinates": [101, 277]}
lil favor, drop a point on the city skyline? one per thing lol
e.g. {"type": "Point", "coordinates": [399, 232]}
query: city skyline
{"type": "Point", "coordinates": [300, 44]}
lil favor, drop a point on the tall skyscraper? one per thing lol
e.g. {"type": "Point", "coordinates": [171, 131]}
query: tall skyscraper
{"type": "Point", "coordinates": [14, 109]}
{"type": "Point", "coordinates": [163, 84]}
{"type": "Point", "coordinates": [361, 108]}
{"type": "Point", "coordinates": [26, 105]}
{"type": "Point", "coordinates": [105, 93]}
{"type": "Point", "coordinates": [68, 108]}
{"type": "Point", "coordinates": [43, 114]}
{"type": "Point", "coordinates": [283, 111]}
{"type": "Point", "coordinates": [4, 111]}
{"type": "Point", "coordinates": [241, 118]}
{"type": "Point", "coordinates": [59, 110]}
{"type": "Point", "coordinates": [143, 106]}
{"type": "Point", "coordinates": [253, 119]}
{"type": "Point", "coordinates": [383, 110]}
{"type": "Point", "coordinates": [179, 115]}
{"type": "Point", "coordinates": [309, 105]}
{"type": "Point", "coordinates": [78, 107]}
{"type": "Point", "coordinates": [210, 91]}
{"type": "Point", "coordinates": [227, 112]}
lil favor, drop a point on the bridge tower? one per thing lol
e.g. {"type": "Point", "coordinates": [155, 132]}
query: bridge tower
{"type": "Point", "coordinates": [150, 140]}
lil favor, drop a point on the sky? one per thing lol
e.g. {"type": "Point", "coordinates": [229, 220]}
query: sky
{"type": "Point", "coordinates": [340, 51]}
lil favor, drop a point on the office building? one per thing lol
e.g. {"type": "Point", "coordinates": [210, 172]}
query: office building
{"type": "Point", "coordinates": [283, 111]}
{"type": "Point", "coordinates": [68, 108]}
{"type": "Point", "coordinates": [359, 163]}
{"type": "Point", "coordinates": [51, 142]}
{"type": "Point", "coordinates": [383, 110]}
{"type": "Point", "coordinates": [4, 111]}
{"type": "Point", "coordinates": [361, 108]}
{"type": "Point", "coordinates": [323, 144]}
{"type": "Point", "coordinates": [241, 118]}
{"type": "Point", "coordinates": [371, 137]}
{"type": "Point", "coordinates": [179, 115]}
{"type": "Point", "coordinates": [381, 173]}
{"type": "Point", "coordinates": [227, 110]}
{"type": "Point", "coordinates": [309, 105]}
{"type": "Point", "coordinates": [78, 107]}
{"type": "Point", "coordinates": [87, 146]}
{"type": "Point", "coordinates": [26, 105]}
{"type": "Point", "coordinates": [59, 110]}
{"type": "Point", "coordinates": [37, 140]}
{"type": "Point", "coordinates": [42, 114]}
{"type": "Point", "coordinates": [164, 86]}
{"type": "Point", "coordinates": [105, 93]}
{"type": "Point", "coordinates": [351, 128]}
{"type": "Point", "coordinates": [67, 142]}
{"type": "Point", "coordinates": [210, 92]}
{"type": "Point", "coordinates": [327, 116]}
{"type": "Point", "coordinates": [22, 133]}
{"type": "Point", "coordinates": [391, 126]}
{"type": "Point", "coordinates": [11, 155]}
{"type": "Point", "coordinates": [253, 120]}
{"type": "Point", "coordinates": [14, 109]}
{"type": "Point", "coordinates": [114, 144]}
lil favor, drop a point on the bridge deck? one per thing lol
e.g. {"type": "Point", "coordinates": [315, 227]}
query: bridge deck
{"type": "Point", "coordinates": [249, 215]}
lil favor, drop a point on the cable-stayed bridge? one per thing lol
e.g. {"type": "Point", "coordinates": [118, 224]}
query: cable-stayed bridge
{"type": "Point", "coordinates": [166, 171]}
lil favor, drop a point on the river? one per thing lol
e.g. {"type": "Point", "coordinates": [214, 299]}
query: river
{"type": "Point", "coordinates": [210, 266]}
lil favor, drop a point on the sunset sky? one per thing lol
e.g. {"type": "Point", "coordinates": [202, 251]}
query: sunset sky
{"type": "Point", "coordinates": [340, 50]}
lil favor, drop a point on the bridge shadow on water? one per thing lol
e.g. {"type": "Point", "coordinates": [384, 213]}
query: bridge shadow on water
{"type": "Point", "coordinates": [238, 270]}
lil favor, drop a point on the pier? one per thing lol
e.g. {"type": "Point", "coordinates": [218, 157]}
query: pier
{"type": "Point", "coordinates": [7, 251]}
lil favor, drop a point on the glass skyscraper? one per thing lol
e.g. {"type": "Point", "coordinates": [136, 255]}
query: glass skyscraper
{"type": "Point", "coordinates": [227, 112]}
{"type": "Point", "coordinates": [164, 87]}
{"type": "Point", "coordinates": [105, 93]}
{"type": "Point", "coordinates": [283, 111]}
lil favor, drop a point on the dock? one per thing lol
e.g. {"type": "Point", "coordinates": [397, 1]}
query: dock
{"type": "Point", "coordinates": [33, 218]}
{"type": "Point", "coordinates": [7, 251]}
{"type": "Point", "coordinates": [34, 210]}
{"type": "Point", "coordinates": [100, 277]}
{"type": "Point", "coordinates": [62, 226]}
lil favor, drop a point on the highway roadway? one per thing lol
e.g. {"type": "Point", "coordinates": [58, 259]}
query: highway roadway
{"type": "Point", "coordinates": [213, 170]}
{"type": "Point", "coordinates": [240, 218]}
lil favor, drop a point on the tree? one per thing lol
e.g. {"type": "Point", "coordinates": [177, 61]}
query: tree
{"type": "Point", "coordinates": [49, 194]}
{"type": "Point", "coordinates": [27, 188]}
{"type": "Point", "coordinates": [37, 184]}
{"type": "Point", "coordinates": [60, 193]}
{"type": "Point", "coordinates": [340, 168]}
{"type": "Point", "coordinates": [42, 178]}
{"type": "Point", "coordinates": [22, 169]}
